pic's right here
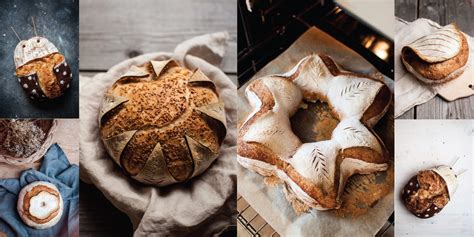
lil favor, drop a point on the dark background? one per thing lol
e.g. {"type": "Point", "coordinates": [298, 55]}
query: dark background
{"type": "Point", "coordinates": [58, 21]}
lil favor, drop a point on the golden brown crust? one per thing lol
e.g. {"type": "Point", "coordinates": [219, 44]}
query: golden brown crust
{"type": "Point", "coordinates": [441, 71]}
{"type": "Point", "coordinates": [163, 109]}
{"type": "Point", "coordinates": [43, 67]}
{"type": "Point", "coordinates": [425, 194]}
{"type": "Point", "coordinates": [378, 106]}
{"type": "Point", "coordinates": [259, 152]}
{"type": "Point", "coordinates": [35, 191]}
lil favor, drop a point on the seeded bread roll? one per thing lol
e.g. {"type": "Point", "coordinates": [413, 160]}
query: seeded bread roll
{"type": "Point", "coordinates": [162, 123]}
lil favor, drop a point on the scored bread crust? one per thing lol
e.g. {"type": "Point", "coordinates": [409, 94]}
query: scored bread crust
{"type": "Point", "coordinates": [353, 148]}
{"type": "Point", "coordinates": [43, 68]}
{"type": "Point", "coordinates": [439, 71]}
{"type": "Point", "coordinates": [25, 208]}
{"type": "Point", "coordinates": [162, 123]}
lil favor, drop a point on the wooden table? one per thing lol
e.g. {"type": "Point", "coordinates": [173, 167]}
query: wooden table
{"type": "Point", "coordinates": [443, 12]}
{"type": "Point", "coordinates": [112, 31]}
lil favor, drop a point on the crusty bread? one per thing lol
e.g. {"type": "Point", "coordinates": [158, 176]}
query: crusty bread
{"type": "Point", "coordinates": [315, 172]}
{"type": "Point", "coordinates": [442, 62]}
{"type": "Point", "coordinates": [46, 77]}
{"type": "Point", "coordinates": [162, 123]}
{"type": "Point", "coordinates": [425, 194]}
{"type": "Point", "coordinates": [40, 205]}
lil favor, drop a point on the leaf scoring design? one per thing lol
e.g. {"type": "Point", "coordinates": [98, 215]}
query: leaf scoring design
{"type": "Point", "coordinates": [354, 89]}
{"type": "Point", "coordinates": [319, 163]}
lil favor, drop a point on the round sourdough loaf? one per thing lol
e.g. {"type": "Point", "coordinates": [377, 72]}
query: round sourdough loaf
{"type": "Point", "coordinates": [162, 123]}
{"type": "Point", "coordinates": [40, 205]}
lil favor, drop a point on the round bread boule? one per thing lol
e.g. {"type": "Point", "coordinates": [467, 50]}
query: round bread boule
{"type": "Point", "coordinates": [40, 205]}
{"type": "Point", "coordinates": [162, 123]}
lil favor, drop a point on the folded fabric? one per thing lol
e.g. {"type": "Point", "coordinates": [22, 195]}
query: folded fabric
{"type": "Point", "coordinates": [409, 91]}
{"type": "Point", "coordinates": [206, 204]}
{"type": "Point", "coordinates": [57, 170]}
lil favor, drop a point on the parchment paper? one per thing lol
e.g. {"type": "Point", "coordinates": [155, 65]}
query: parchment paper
{"type": "Point", "coordinates": [270, 202]}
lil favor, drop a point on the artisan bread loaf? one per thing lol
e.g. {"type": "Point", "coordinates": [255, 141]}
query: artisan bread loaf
{"type": "Point", "coordinates": [438, 57]}
{"type": "Point", "coordinates": [42, 71]}
{"type": "Point", "coordinates": [40, 205]}
{"type": "Point", "coordinates": [162, 123]}
{"type": "Point", "coordinates": [314, 172]}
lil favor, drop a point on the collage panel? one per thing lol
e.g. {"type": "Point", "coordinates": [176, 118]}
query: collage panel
{"type": "Point", "coordinates": [434, 180]}
{"type": "Point", "coordinates": [236, 118]}
{"type": "Point", "coordinates": [39, 177]}
{"type": "Point", "coordinates": [433, 59]}
{"type": "Point", "coordinates": [315, 143]}
{"type": "Point", "coordinates": [158, 120]}
{"type": "Point", "coordinates": [40, 59]}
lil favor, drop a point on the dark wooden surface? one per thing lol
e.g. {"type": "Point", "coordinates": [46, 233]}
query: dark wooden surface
{"type": "Point", "coordinates": [444, 12]}
{"type": "Point", "coordinates": [112, 31]}
{"type": "Point", "coordinates": [58, 22]}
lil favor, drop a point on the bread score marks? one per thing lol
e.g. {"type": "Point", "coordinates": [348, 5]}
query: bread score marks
{"type": "Point", "coordinates": [110, 102]}
{"type": "Point", "coordinates": [429, 191]}
{"type": "Point", "coordinates": [270, 125]}
{"type": "Point", "coordinates": [135, 71]}
{"type": "Point", "coordinates": [155, 171]}
{"type": "Point", "coordinates": [40, 205]}
{"type": "Point", "coordinates": [180, 135]}
{"type": "Point", "coordinates": [349, 94]}
{"type": "Point", "coordinates": [161, 66]}
{"type": "Point", "coordinates": [316, 172]}
{"type": "Point", "coordinates": [116, 144]}
{"type": "Point", "coordinates": [31, 49]}
{"type": "Point", "coordinates": [441, 45]}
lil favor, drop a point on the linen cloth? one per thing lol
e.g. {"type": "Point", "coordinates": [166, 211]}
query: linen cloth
{"type": "Point", "coordinates": [206, 204]}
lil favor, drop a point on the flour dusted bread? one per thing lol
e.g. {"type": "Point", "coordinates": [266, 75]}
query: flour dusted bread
{"type": "Point", "coordinates": [162, 123]}
{"type": "Point", "coordinates": [22, 139]}
{"type": "Point", "coordinates": [315, 172]}
{"type": "Point", "coordinates": [42, 71]}
{"type": "Point", "coordinates": [40, 205]}
{"type": "Point", "coordinates": [428, 192]}
{"type": "Point", "coordinates": [438, 57]}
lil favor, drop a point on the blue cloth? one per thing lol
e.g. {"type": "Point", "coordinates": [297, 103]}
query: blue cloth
{"type": "Point", "coordinates": [57, 170]}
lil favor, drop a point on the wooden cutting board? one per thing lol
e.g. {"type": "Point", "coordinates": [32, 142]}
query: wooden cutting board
{"type": "Point", "coordinates": [460, 87]}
